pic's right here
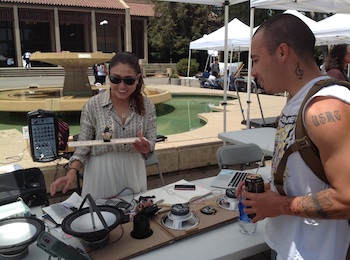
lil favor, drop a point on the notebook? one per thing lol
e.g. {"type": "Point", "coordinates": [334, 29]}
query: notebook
{"type": "Point", "coordinates": [228, 179]}
{"type": "Point", "coordinates": [59, 211]}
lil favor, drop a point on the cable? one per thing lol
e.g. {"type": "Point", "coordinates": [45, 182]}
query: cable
{"type": "Point", "coordinates": [15, 158]}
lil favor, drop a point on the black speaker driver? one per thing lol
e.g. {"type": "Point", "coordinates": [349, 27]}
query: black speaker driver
{"type": "Point", "coordinates": [79, 223]}
{"type": "Point", "coordinates": [16, 234]}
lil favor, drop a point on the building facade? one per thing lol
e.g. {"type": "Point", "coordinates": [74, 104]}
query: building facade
{"type": "Point", "coordinates": [72, 25]}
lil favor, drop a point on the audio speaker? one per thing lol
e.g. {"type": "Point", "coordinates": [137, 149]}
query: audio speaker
{"type": "Point", "coordinates": [43, 135]}
{"type": "Point", "coordinates": [16, 234]}
{"type": "Point", "coordinates": [92, 224]}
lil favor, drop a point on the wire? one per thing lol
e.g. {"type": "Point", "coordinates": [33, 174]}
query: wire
{"type": "Point", "coordinates": [14, 158]}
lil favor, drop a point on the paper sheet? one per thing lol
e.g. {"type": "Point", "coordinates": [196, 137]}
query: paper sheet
{"type": "Point", "coordinates": [172, 196]}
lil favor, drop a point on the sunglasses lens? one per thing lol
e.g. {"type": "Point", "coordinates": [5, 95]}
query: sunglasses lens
{"type": "Point", "coordinates": [115, 80]}
{"type": "Point", "coordinates": [129, 81]}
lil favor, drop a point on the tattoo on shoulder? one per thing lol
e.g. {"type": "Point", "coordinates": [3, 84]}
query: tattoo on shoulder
{"type": "Point", "coordinates": [326, 117]}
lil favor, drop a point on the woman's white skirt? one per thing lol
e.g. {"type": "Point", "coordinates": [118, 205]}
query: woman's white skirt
{"type": "Point", "coordinates": [108, 174]}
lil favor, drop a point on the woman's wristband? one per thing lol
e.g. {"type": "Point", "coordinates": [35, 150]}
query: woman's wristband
{"type": "Point", "coordinates": [72, 168]}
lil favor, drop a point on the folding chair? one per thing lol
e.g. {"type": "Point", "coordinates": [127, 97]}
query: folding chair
{"type": "Point", "coordinates": [239, 154]}
{"type": "Point", "coordinates": [153, 160]}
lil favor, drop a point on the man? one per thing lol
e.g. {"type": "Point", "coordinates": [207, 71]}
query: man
{"type": "Point", "coordinates": [311, 222]}
{"type": "Point", "coordinates": [215, 66]}
{"type": "Point", "coordinates": [26, 57]}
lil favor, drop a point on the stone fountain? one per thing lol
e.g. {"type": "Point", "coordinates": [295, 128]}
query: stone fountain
{"type": "Point", "coordinates": [75, 91]}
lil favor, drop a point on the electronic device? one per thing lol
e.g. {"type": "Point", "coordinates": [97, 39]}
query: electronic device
{"type": "Point", "coordinates": [56, 248]}
{"type": "Point", "coordinates": [43, 135]}
{"type": "Point", "coordinates": [228, 179]}
{"type": "Point", "coordinates": [119, 203]}
{"type": "Point", "coordinates": [29, 184]}
{"type": "Point", "coordinates": [92, 224]}
{"type": "Point", "coordinates": [184, 187]}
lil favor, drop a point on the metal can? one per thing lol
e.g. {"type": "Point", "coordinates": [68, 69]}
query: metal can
{"type": "Point", "coordinates": [254, 183]}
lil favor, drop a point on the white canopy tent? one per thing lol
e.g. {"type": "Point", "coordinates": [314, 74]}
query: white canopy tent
{"type": "Point", "coordinates": [226, 4]}
{"type": "Point", "coordinates": [237, 39]}
{"type": "Point", "coordinates": [333, 30]}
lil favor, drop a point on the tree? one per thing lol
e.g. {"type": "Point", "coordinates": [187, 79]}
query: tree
{"type": "Point", "coordinates": [175, 25]}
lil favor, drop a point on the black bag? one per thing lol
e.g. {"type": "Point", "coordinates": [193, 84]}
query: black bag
{"type": "Point", "coordinates": [63, 134]}
{"type": "Point", "coordinates": [29, 184]}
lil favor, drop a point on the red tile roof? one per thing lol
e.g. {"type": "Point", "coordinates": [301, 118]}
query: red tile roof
{"type": "Point", "coordinates": [141, 9]}
{"type": "Point", "coordinates": [136, 9]}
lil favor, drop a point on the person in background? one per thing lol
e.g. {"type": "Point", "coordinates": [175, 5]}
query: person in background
{"type": "Point", "coordinates": [311, 221]}
{"type": "Point", "coordinates": [213, 77]}
{"type": "Point", "coordinates": [124, 111]}
{"type": "Point", "coordinates": [206, 73]}
{"type": "Point", "coordinates": [101, 73]}
{"type": "Point", "coordinates": [26, 58]}
{"type": "Point", "coordinates": [94, 70]}
{"type": "Point", "coordinates": [215, 66]}
{"type": "Point", "coordinates": [337, 62]}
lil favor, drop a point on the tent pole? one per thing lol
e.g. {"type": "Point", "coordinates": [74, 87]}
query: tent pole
{"type": "Point", "coordinates": [249, 83]}
{"type": "Point", "coordinates": [226, 3]}
{"type": "Point", "coordinates": [188, 66]}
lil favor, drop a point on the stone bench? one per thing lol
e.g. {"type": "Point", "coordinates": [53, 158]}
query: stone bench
{"type": "Point", "coordinates": [149, 72]}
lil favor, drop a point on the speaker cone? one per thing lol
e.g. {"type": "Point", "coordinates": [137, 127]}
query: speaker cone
{"type": "Point", "coordinates": [229, 200]}
{"type": "Point", "coordinates": [88, 226]}
{"type": "Point", "coordinates": [16, 234]}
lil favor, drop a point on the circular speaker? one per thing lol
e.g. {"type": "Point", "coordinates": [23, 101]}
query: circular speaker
{"type": "Point", "coordinates": [16, 234]}
{"type": "Point", "coordinates": [81, 223]}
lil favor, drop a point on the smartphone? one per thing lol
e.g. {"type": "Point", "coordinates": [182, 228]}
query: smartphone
{"type": "Point", "coordinates": [184, 187]}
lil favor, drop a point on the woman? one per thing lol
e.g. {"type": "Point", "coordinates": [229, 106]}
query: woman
{"type": "Point", "coordinates": [125, 113]}
{"type": "Point", "coordinates": [337, 62]}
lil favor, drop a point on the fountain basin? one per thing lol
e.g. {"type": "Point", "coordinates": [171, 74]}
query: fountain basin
{"type": "Point", "coordinates": [52, 98]}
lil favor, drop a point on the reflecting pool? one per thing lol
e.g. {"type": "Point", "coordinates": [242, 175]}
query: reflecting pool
{"type": "Point", "coordinates": [174, 116]}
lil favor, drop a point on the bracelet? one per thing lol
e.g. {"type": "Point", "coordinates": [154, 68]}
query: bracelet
{"type": "Point", "coordinates": [72, 168]}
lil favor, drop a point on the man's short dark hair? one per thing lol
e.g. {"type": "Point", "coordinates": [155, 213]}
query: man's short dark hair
{"type": "Point", "coordinates": [289, 29]}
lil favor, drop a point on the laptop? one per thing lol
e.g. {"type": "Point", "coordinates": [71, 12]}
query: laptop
{"type": "Point", "coordinates": [228, 179]}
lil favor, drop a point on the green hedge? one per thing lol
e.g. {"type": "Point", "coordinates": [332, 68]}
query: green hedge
{"type": "Point", "coordinates": [181, 67]}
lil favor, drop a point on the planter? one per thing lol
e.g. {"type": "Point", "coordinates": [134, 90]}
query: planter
{"type": "Point", "coordinates": [175, 81]}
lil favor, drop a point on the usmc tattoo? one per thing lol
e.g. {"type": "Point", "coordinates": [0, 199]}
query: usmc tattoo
{"type": "Point", "coordinates": [326, 117]}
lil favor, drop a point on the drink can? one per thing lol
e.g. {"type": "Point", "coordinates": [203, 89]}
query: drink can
{"type": "Point", "coordinates": [254, 183]}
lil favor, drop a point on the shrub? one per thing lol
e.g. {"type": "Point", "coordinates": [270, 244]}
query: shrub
{"type": "Point", "coordinates": [181, 67]}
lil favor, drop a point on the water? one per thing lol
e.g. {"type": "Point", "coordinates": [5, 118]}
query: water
{"type": "Point", "coordinates": [180, 114]}
{"type": "Point", "coordinates": [245, 226]}
{"type": "Point", "coordinates": [177, 115]}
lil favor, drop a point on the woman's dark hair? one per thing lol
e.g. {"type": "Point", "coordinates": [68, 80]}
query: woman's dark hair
{"type": "Point", "coordinates": [335, 59]}
{"type": "Point", "coordinates": [130, 59]}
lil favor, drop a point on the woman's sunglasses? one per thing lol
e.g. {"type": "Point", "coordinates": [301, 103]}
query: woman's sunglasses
{"type": "Point", "coordinates": [128, 81]}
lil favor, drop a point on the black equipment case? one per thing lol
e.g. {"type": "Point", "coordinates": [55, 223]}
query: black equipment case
{"type": "Point", "coordinates": [29, 184]}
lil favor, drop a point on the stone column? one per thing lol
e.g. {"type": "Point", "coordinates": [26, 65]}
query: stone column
{"type": "Point", "coordinates": [17, 37]}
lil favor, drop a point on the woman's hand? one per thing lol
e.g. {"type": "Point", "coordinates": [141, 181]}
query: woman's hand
{"type": "Point", "coordinates": [142, 144]}
{"type": "Point", "coordinates": [64, 182]}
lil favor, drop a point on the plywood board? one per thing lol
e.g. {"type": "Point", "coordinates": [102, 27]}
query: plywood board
{"type": "Point", "coordinates": [127, 246]}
